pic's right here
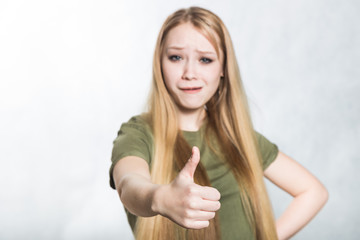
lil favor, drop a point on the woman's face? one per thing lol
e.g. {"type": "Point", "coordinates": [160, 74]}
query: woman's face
{"type": "Point", "coordinates": [191, 67]}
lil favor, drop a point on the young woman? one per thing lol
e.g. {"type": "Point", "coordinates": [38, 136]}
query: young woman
{"type": "Point", "coordinates": [198, 108]}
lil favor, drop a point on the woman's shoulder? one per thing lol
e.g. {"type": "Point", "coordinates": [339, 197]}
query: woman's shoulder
{"type": "Point", "coordinates": [268, 149]}
{"type": "Point", "coordinates": [133, 139]}
{"type": "Point", "coordinates": [138, 122]}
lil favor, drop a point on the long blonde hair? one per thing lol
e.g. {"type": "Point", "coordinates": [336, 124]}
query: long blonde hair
{"type": "Point", "coordinates": [227, 117]}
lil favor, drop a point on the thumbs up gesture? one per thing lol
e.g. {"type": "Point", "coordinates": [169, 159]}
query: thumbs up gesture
{"type": "Point", "coordinates": [185, 202]}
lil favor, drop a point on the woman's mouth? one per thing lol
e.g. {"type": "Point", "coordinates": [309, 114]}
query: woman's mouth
{"type": "Point", "coordinates": [191, 89]}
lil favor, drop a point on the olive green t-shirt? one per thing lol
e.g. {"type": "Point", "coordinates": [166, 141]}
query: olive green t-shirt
{"type": "Point", "coordinates": [135, 139]}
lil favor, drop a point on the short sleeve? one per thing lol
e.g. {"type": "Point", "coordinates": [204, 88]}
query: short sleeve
{"type": "Point", "coordinates": [268, 150]}
{"type": "Point", "coordinates": [134, 139]}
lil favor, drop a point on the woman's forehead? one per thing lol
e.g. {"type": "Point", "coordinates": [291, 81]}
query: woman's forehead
{"type": "Point", "coordinates": [187, 35]}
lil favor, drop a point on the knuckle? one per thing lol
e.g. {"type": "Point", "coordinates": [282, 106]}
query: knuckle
{"type": "Point", "coordinates": [188, 213]}
{"type": "Point", "coordinates": [218, 205]}
{"type": "Point", "coordinates": [186, 223]}
{"type": "Point", "coordinates": [187, 202]}
{"type": "Point", "coordinates": [203, 224]}
{"type": "Point", "coordinates": [218, 194]}
{"type": "Point", "coordinates": [192, 204]}
{"type": "Point", "coordinates": [191, 190]}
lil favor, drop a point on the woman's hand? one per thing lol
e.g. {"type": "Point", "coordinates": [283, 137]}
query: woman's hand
{"type": "Point", "coordinates": [185, 202]}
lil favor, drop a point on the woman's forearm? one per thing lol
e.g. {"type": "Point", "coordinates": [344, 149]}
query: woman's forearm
{"type": "Point", "coordinates": [300, 211]}
{"type": "Point", "coordinates": [137, 194]}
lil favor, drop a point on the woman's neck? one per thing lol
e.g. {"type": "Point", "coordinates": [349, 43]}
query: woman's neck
{"type": "Point", "coordinates": [191, 120]}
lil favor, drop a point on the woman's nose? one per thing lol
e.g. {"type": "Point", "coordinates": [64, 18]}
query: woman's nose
{"type": "Point", "coordinates": [189, 72]}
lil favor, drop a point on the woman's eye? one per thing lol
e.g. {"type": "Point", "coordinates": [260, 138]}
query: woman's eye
{"type": "Point", "coordinates": [175, 58]}
{"type": "Point", "coordinates": [205, 60]}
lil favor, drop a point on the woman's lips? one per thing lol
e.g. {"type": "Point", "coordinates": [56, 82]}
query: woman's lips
{"type": "Point", "coordinates": [191, 89]}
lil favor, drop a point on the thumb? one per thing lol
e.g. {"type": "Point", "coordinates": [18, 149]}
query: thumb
{"type": "Point", "coordinates": [190, 166]}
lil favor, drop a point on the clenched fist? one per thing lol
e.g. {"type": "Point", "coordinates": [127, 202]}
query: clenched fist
{"type": "Point", "coordinates": [185, 202]}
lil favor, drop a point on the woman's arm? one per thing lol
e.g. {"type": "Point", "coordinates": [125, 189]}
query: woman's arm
{"type": "Point", "coordinates": [132, 181]}
{"type": "Point", "coordinates": [308, 192]}
{"type": "Point", "coordinates": [184, 202]}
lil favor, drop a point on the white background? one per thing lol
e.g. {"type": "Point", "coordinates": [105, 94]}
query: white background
{"type": "Point", "coordinates": [72, 71]}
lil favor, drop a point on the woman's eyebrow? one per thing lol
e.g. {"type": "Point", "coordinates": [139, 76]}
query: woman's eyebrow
{"type": "Point", "coordinates": [175, 48]}
{"type": "Point", "coordinates": [206, 52]}
{"type": "Point", "coordinates": [199, 51]}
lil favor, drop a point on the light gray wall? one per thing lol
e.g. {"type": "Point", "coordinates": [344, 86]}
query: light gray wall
{"type": "Point", "coordinates": [72, 71]}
